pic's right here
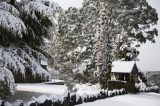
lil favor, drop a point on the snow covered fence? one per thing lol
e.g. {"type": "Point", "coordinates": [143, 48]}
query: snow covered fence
{"type": "Point", "coordinates": [69, 99]}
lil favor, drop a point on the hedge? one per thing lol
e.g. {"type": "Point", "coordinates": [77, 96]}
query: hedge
{"type": "Point", "coordinates": [74, 99]}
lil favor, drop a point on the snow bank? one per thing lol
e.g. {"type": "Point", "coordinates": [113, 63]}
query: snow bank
{"type": "Point", "coordinates": [42, 88]}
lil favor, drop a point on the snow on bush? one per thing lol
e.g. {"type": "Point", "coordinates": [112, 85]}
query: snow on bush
{"type": "Point", "coordinates": [88, 90]}
{"type": "Point", "coordinates": [9, 19]}
{"type": "Point", "coordinates": [84, 93]}
{"type": "Point", "coordinates": [143, 87]}
{"type": "Point", "coordinates": [7, 85]}
{"type": "Point", "coordinates": [150, 89]}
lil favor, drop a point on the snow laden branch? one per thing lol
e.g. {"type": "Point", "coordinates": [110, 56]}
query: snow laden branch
{"type": "Point", "coordinates": [10, 21]}
{"type": "Point", "coordinates": [24, 60]}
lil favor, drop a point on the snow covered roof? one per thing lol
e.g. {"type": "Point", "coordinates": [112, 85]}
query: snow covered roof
{"type": "Point", "coordinates": [123, 66]}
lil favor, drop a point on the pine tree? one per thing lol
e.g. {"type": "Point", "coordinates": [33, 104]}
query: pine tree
{"type": "Point", "coordinates": [38, 16]}
{"type": "Point", "coordinates": [68, 38]}
{"type": "Point", "coordinates": [20, 40]}
{"type": "Point", "coordinates": [104, 45]}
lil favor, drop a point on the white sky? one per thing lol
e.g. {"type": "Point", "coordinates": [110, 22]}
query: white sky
{"type": "Point", "coordinates": [149, 53]}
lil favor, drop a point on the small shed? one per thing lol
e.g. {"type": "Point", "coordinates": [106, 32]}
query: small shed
{"type": "Point", "coordinates": [125, 71]}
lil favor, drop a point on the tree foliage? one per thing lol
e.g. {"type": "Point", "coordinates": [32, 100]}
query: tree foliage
{"type": "Point", "coordinates": [23, 28]}
{"type": "Point", "coordinates": [108, 29]}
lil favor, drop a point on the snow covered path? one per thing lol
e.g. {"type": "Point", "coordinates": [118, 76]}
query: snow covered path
{"type": "Point", "coordinates": [42, 88]}
{"type": "Point", "coordinates": [142, 99]}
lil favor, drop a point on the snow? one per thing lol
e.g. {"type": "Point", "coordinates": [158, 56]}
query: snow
{"type": "Point", "coordinates": [83, 66]}
{"type": "Point", "coordinates": [9, 8]}
{"type": "Point", "coordinates": [87, 89]}
{"type": "Point", "coordinates": [18, 59]}
{"type": "Point", "coordinates": [123, 66]}
{"type": "Point", "coordinates": [142, 99]}
{"type": "Point", "coordinates": [7, 78]}
{"type": "Point", "coordinates": [9, 21]}
{"type": "Point", "coordinates": [42, 88]}
{"type": "Point", "coordinates": [40, 6]}
{"type": "Point", "coordinates": [43, 62]}
{"type": "Point", "coordinates": [77, 50]}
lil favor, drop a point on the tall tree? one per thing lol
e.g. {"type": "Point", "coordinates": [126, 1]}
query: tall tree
{"type": "Point", "coordinates": [121, 23]}
{"type": "Point", "coordinates": [22, 56]}
{"type": "Point", "coordinates": [108, 30]}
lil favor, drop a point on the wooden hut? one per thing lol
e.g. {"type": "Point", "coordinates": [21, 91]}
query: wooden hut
{"type": "Point", "coordinates": [125, 71]}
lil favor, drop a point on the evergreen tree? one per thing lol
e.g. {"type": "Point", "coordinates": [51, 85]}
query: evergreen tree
{"type": "Point", "coordinates": [21, 39]}
{"type": "Point", "coordinates": [38, 16]}
{"type": "Point", "coordinates": [67, 40]}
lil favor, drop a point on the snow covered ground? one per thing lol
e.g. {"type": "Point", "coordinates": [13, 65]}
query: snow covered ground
{"type": "Point", "coordinates": [40, 92]}
{"type": "Point", "coordinates": [142, 99]}
{"type": "Point", "coordinates": [42, 88]}
{"type": "Point", "coordinates": [27, 91]}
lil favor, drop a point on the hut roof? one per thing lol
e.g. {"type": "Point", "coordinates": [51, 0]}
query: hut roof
{"type": "Point", "coordinates": [123, 66]}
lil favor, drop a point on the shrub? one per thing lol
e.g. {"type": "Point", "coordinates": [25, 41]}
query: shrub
{"type": "Point", "coordinates": [129, 86]}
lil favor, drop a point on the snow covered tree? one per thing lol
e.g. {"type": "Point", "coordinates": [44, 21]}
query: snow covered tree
{"type": "Point", "coordinates": [39, 18]}
{"type": "Point", "coordinates": [11, 26]}
{"type": "Point", "coordinates": [104, 31]}
{"type": "Point", "coordinates": [68, 40]}
{"type": "Point", "coordinates": [21, 37]}
{"type": "Point", "coordinates": [119, 24]}
{"type": "Point", "coordinates": [104, 45]}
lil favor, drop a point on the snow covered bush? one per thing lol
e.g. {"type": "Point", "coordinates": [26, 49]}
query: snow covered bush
{"type": "Point", "coordinates": [144, 88]}
{"type": "Point", "coordinates": [7, 86]}
{"type": "Point", "coordinates": [85, 93]}
{"type": "Point", "coordinates": [150, 89]}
